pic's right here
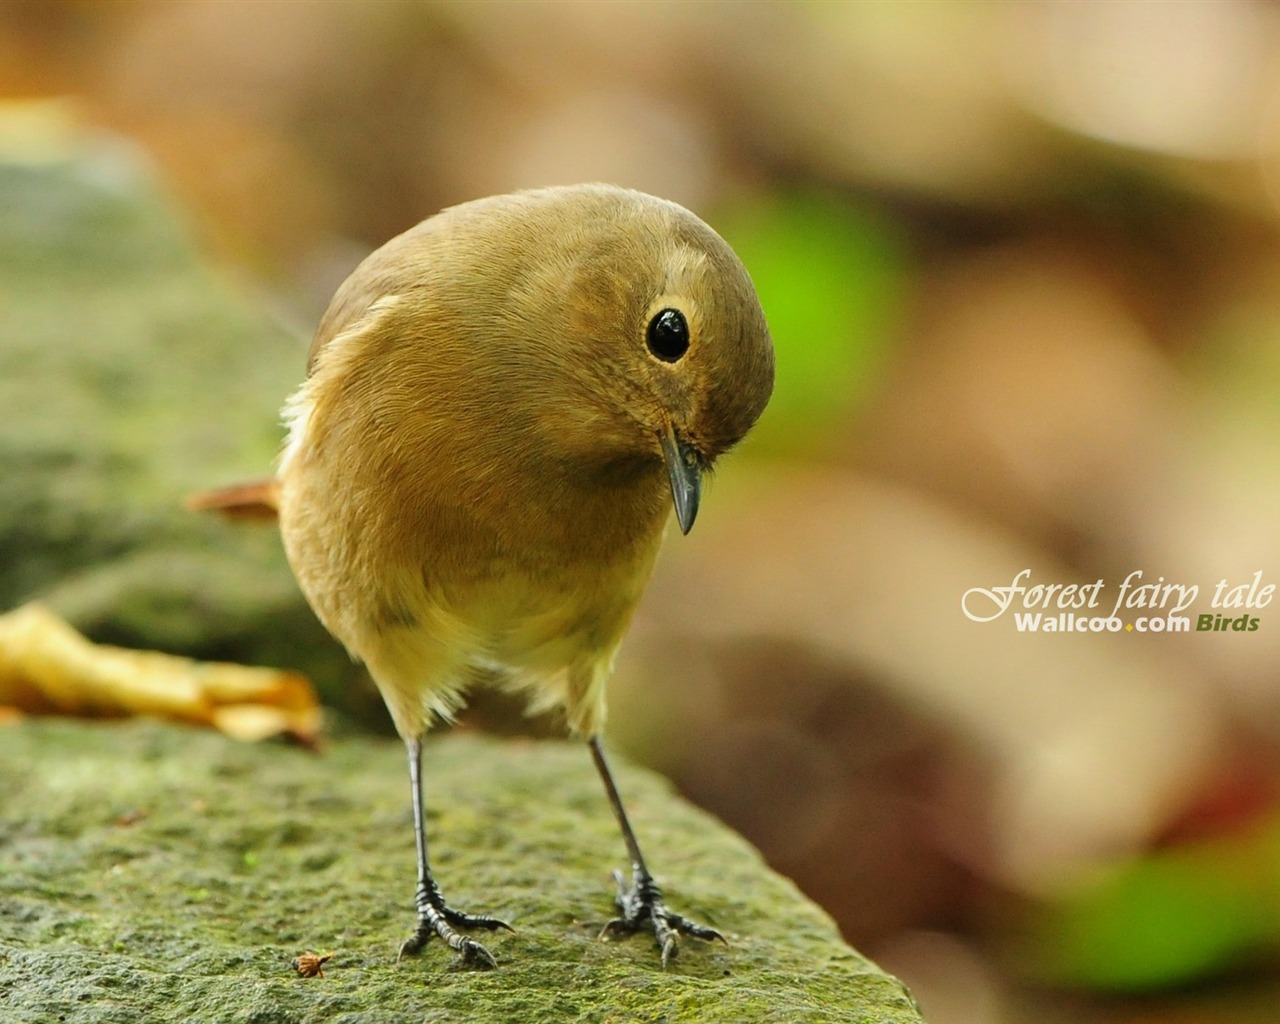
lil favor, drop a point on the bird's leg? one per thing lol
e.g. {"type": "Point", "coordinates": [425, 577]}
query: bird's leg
{"type": "Point", "coordinates": [640, 903]}
{"type": "Point", "coordinates": [434, 917]}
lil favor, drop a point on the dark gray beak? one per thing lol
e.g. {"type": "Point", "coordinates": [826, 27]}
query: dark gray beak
{"type": "Point", "coordinates": [684, 469]}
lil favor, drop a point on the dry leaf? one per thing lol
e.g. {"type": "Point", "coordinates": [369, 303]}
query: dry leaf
{"type": "Point", "coordinates": [311, 965]}
{"type": "Point", "coordinates": [46, 667]}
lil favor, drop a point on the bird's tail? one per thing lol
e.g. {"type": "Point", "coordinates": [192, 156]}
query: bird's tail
{"type": "Point", "coordinates": [255, 499]}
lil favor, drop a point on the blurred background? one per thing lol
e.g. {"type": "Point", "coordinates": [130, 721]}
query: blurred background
{"type": "Point", "coordinates": [1020, 261]}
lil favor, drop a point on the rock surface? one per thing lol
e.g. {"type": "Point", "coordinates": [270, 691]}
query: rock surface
{"type": "Point", "coordinates": [159, 873]}
{"type": "Point", "coordinates": [131, 375]}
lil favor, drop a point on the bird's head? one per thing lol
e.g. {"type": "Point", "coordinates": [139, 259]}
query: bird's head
{"type": "Point", "coordinates": [674, 357]}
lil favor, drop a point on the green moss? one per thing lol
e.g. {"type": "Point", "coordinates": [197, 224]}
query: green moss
{"type": "Point", "coordinates": [131, 375]}
{"type": "Point", "coordinates": [158, 873]}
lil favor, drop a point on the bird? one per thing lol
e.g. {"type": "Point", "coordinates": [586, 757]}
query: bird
{"type": "Point", "coordinates": [503, 408]}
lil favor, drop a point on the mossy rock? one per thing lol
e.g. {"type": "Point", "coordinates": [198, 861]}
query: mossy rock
{"type": "Point", "coordinates": [133, 373]}
{"type": "Point", "coordinates": [158, 873]}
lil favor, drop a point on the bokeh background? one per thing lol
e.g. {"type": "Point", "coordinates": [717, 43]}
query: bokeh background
{"type": "Point", "coordinates": [1021, 265]}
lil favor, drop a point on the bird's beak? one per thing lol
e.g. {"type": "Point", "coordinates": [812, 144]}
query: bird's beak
{"type": "Point", "coordinates": [684, 469]}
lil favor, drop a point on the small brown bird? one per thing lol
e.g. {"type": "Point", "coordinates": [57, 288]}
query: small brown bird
{"type": "Point", "coordinates": [502, 404]}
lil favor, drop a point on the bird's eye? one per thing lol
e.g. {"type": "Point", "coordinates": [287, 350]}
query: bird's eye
{"type": "Point", "coordinates": [668, 335]}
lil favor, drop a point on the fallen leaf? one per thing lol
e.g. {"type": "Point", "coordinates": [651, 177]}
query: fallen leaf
{"type": "Point", "coordinates": [310, 965]}
{"type": "Point", "coordinates": [46, 667]}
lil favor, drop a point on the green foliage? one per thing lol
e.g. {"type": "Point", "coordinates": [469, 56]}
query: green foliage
{"type": "Point", "coordinates": [1170, 918]}
{"type": "Point", "coordinates": [830, 277]}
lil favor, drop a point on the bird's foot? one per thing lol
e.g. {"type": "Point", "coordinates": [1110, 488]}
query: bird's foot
{"type": "Point", "coordinates": [435, 918]}
{"type": "Point", "coordinates": [641, 906]}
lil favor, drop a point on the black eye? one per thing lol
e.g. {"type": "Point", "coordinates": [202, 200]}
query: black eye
{"type": "Point", "coordinates": [668, 335]}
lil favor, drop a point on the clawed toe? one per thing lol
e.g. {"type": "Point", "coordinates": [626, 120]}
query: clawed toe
{"type": "Point", "coordinates": [641, 907]}
{"type": "Point", "coordinates": [436, 918]}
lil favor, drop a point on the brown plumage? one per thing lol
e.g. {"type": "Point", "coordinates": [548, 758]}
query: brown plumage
{"type": "Point", "coordinates": [501, 405]}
